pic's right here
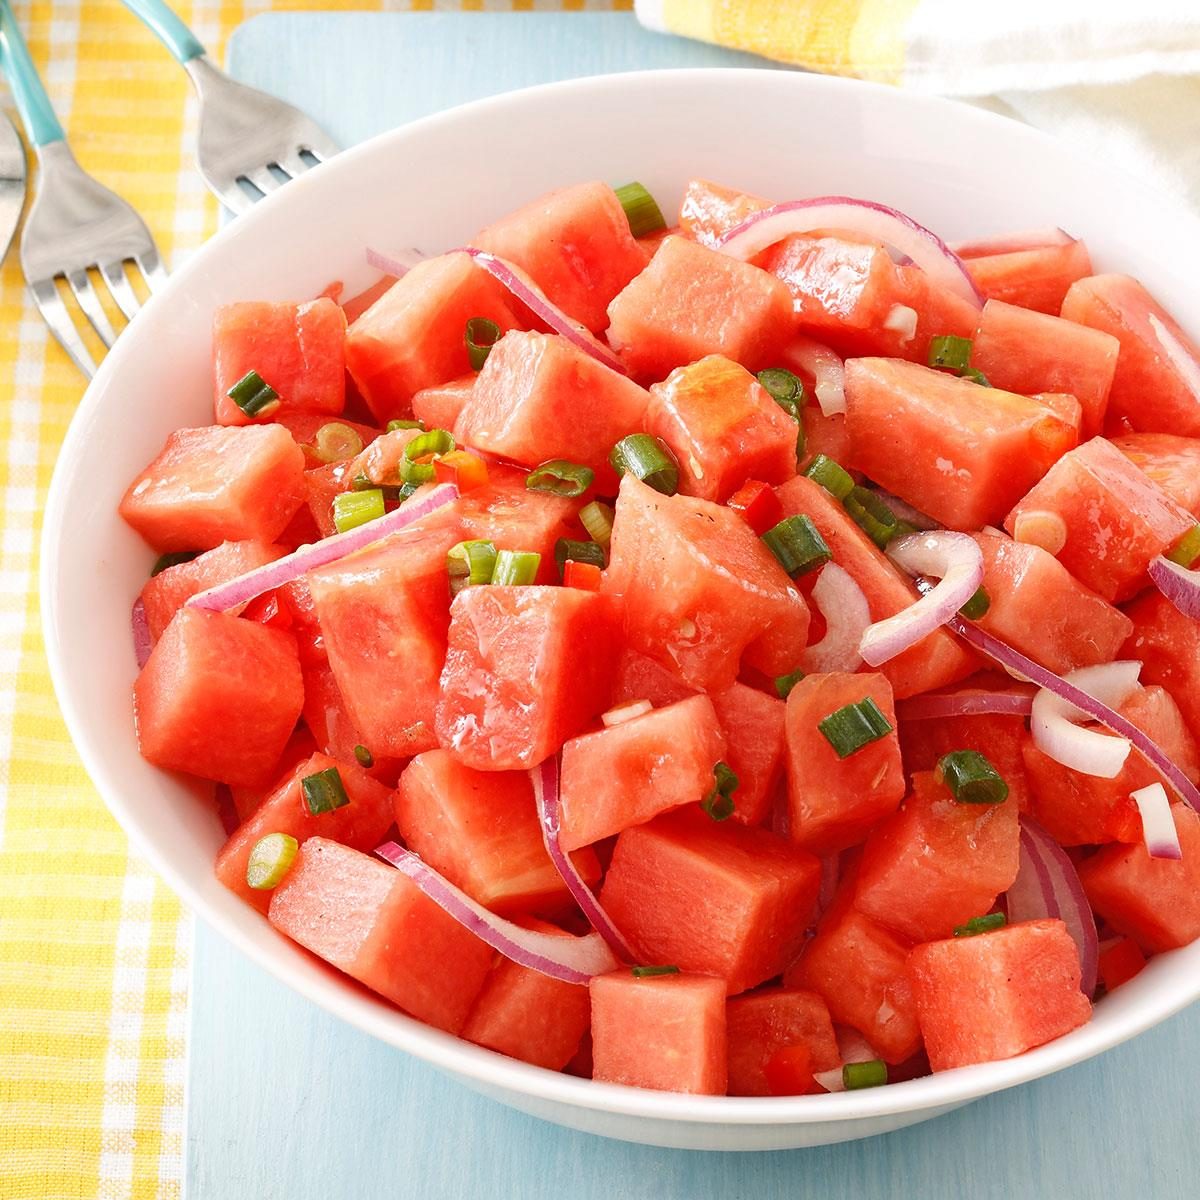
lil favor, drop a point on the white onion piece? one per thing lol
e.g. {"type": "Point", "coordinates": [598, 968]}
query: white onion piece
{"type": "Point", "coordinates": [955, 558]}
{"type": "Point", "coordinates": [826, 369]}
{"type": "Point", "coordinates": [1180, 585]}
{"type": "Point", "coordinates": [1179, 356]}
{"type": "Point", "coordinates": [902, 320]}
{"type": "Point", "coordinates": [1158, 825]}
{"type": "Point", "coordinates": [847, 617]}
{"type": "Point", "coordinates": [571, 959]}
{"type": "Point", "coordinates": [1054, 720]}
{"type": "Point", "coordinates": [519, 284]}
{"type": "Point", "coordinates": [831, 1080]}
{"type": "Point", "coordinates": [626, 712]}
{"type": "Point", "coordinates": [938, 706]}
{"type": "Point", "coordinates": [307, 558]}
{"type": "Point", "coordinates": [1013, 243]}
{"type": "Point", "coordinates": [865, 218]}
{"type": "Point", "coordinates": [142, 641]}
{"type": "Point", "coordinates": [393, 264]}
{"type": "Point", "coordinates": [1036, 527]}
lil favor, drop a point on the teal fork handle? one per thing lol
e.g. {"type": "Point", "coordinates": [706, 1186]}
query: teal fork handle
{"type": "Point", "coordinates": [32, 102]}
{"type": "Point", "coordinates": [168, 28]}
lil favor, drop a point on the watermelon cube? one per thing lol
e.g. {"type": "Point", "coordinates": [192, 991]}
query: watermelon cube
{"type": "Point", "coordinates": [365, 918]}
{"type": "Point", "coordinates": [296, 349]}
{"type": "Point", "coordinates": [709, 210]}
{"type": "Point", "coordinates": [527, 668]}
{"type": "Point", "coordinates": [322, 485]}
{"type": "Point", "coordinates": [218, 697]}
{"type": "Point", "coordinates": [627, 773]}
{"type": "Point", "coordinates": [325, 711]}
{"type": "Point", "coordinates": [528, 1015]}
{"type": "Point", "coordinates": [824, 435]}
{"type": "Point", "coordinates": [758, 890]}
{"type": "Point", "coordinates": [663, 1031]}
{"type": "Point", "coordinates": [763, 1023]}
{"type": "Point", "coordinates": [414, 337]}
{"type": "Point", "coordinates": [1117, 519]}
{"type": "Point", "coordinates": [575, 244]}
{"type": "Point", "coordinates": [937, 863]}
{"type": "Point", "coordinates": [1172, 462]}
{"type": "Point", "coordinates": [640, 677]}
{"type": "Point", "coordinates": [1027, 352]}
{"type": "Point", "coordinates": [1167, 644]}
{"type": "Point", "coordinates": [834, 802]}
{"type": "Point", "coordinates": [1155, 901]}
{"type": "Point", "coordinates": [1149, 390]}
{"type": "Point", "coordinates": [361, 823]}
{"type": "Point", "coordinates": [692, 301]}
{"type": "Point", "coordinates": [480, 830]}
{"type": "Point", "coordinates": [933, 662]}
{"type": "Point", "coordinates": [355, 306]}
{"type": "Point", "coordinates": [1035, 277]}
{"type": "Point", "coordinates": [1040, 608]}
{"type": "Point", "coordinates": [698, 585]}
{"type": "Point", "coordinates": [723, 428]}
{"type": "Point", "coordinates": [440, 405]}
{"type": "Point", "coordinates": [997, 994]}
{"type": "Point", "coordinates": [248, 800]}
{"type": "Point", "coordinates": [753, 725]}
{"type": "Point", "coordinates": [540, 397]}
{"type": "Point", "coordinates": [960, 452]}
{"type": "Point", "coordinates": [216, 485]}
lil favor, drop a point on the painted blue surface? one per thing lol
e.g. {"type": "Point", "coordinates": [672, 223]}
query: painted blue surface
{"type": "Point", "coordinates": [285, 1101]}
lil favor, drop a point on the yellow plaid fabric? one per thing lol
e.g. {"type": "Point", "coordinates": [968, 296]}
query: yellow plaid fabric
{"type": "Point", "coordinates": [93, 948]}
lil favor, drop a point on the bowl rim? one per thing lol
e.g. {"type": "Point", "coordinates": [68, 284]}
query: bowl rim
{"type": "Point", "coordinates": [344, 999]}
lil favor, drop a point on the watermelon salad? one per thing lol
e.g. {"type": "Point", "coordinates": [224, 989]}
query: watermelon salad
{"type": "Point", "coordinates": [759, 656]}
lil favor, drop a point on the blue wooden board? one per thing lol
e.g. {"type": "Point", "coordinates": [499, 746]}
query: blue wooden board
{"type": "Point", "coordinates": [285, 1101]}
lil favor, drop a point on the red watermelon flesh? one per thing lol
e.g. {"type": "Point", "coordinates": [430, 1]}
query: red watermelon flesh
{"type": "Point", "coordinates": [304, 427]}
{"type": "Point", "coordinates": [753, 725]}
{"type": "Point", "coordinates": [355, 306]}
{"type": "Point", "coordinates": [709, 211]}
{"type": "Point", "coordinates": [248, 800]}
{"type": "Point", "coordinates": [1172, 462]}
{"type": "Point", "coordinates": [765, 1022]}
{"type": "Point", "coordinates": [1167, 644]}
{"type": "Point", "coordinates": [639, 677]}
{"type": "Point", "coordinates": [1036, 277]}
{"type": "Point", "coordinates": [439, 406]}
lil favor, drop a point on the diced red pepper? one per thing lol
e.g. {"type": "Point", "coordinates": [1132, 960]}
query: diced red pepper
{"type": "Point", "coordinates": [268, 609]}
{"type": "Point", "coordinates": [581, 575]}
{"type": "Point", "coordinates": [1120, 963]}
{"type": "Point", "coordinates": [789, 1072]}
{"type": "Point", "coordinates": [460, 467]}
{"type": "Point", "coordinates": [755, 502]}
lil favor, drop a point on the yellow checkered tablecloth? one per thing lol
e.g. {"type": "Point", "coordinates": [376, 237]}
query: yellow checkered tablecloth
{"type": "Point", "coordinates": [93, 948]}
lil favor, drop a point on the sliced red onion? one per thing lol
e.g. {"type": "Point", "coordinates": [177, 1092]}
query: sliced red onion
{"type": "Point", "coordinates": [529, 294]}
{"type": "Point", "coordinates": [143, 643]}
{"type": "Point", "coordinates": [1180, 585]}
{"type": "Point", "coordinates": [307, 558]}
{"type": "Point", "coordinates": [571, 959]}
{"type": "Point", "coordinates": [394, 264]}
{"type": "Point", "coordinates": [868, 219]}
{"type": "Point", "coordinates": [847, 617]}
{"type": "Point", "coordinates": [1056, 731]}
{"type": "Point", "coordinates": [1013, 243]}
{"type": "Point", "coordinates": [1047, 885]}
{"type": "Point", "coordinates": [902, 320]}
{"type": "Point", "coordinates": [1158, 825]}
{"type": "Point", "coordinates": [626, 712]}
{"type": "Point", "coordinates": [955, 558]}
{"type": "Point", "coordinates": [831, 1080]}
{"type": "Point", "coordinates": [938, 706]}
{"type": "Point", "coordinates": [545, 793]}
{"type": "Point", "coordinates": [1036, 527]}
{"type": "Point", "coordinates": [827, 370]}
{"type": "Point", "coordinates": [1179, 356]}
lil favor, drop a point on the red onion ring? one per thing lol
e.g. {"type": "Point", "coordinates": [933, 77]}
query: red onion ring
{"type": "Point", "coordinates": [958, 562]}
{"type": "Point", "coordinates": [1158, 825]}
{"type": "Point", "coordinates": [866, 218]}
{"type": "Point", "coordinates": [847, 617]}
{"type": "Point", "coordinates": [938, 706]}
{"type": "Point", "coordinates": [571, 959]}
{"type": "Point", "coordinates": [1013, 243]}
{"type": "Point", "coordinates": [1179, 584]}
{"type": "Point", "coordinates": [1179, 356]}
{"type": "Point", "coordinates": [143, 643]}
{"type": "Point", "coordinates": [545, 793]}
{"type": "Point", "coordinates": [393, 264]}
{"type": "Point", "coordinates": [1056, 731]}
{"type": "Point", "coordinates": [307, 558]}
{"type": "Point", "coordinates": [827, 370]}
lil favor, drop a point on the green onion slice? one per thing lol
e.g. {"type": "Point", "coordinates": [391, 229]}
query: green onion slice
{"type": "Point", "coordinates": [172, 560]}
{"type": "Point", "coordinates": [831, 475]}
{"type": "Point", "coordinates": [949, 353]}
{"type": "Point", "coordinates": [641, 209]}
{"type": "Point", "coordinates": [1187, 549]}
{"type": "Point", "coordinates": [364, 756]}
{"type": "Point", "coordinates": [864, 1075]}
{"type": "Point", "coordinates": [597, 519]}
{"type": "Point", "coordinates": [649, 459]}
{"type": "Point", "coordinates": [429, 445]}
{"type": "Point", "coordinates": [470, 564]}
{"type": "Point", "coordinates": [650, 972]}
{"type": "Point", "coordinates": [351, 509]}
{"type": "Point", "coordinates": [253, 395]}
{"type": "Point", "coordinates": [785, 389]}
{"type": "Point", "coordinates": [584, 552]}
{"type": "Point", "coordinates": [270, 860]}
{"type": "Point", "coordinates": [515, 568]}
{"type": "Point", "coordinates": [480, 335]}
{"type": "Point", "coordinates": [407, 490]}
{"type": "Point", "coordinates": [560, 478]}
{"type": "Point", "coordinates": [871, 515]}
{"type": "Point", "coordinates": [856, 725]}
{"type": "Point", "coordinates": [719, 802]}
{"type": "Point", "coordinates": [977, 606]}
{"type": "Point", "coordinates": [798, 545]}
{"type": "Point", "coordinates": [975, 376]}
{"type": "Point", "coordinates": [977, 925]}
{"type": "Point", "coordinates": [324, 791]}
{"type": "Point", "coordinates": [971, 778]}
{"type": "Point", "coordinates": [336, 442]}
{"type": "Point", "coordinates": [404, 423]}
{"type": "Point", "coordinates": [785, 683]}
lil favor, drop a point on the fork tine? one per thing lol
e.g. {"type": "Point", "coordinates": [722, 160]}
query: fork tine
{"type": "Point", "coordinates": [152, 268]}
{"type": "Point", "coordinates": [54, 313]}
{"type": "Point", "coordinates": [264, 180]}
{"type": "Point", "coordinates": [81, 285]}
{"type": "Point", "coordinates": [293, 164]}
{"type": "Point", "coordinates": [121, 288]}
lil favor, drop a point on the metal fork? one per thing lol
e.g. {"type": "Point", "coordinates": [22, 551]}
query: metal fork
{"type": "Point", "coordinates": [75, 223]}
{"type": "Point", "coordinates": [245, 135]}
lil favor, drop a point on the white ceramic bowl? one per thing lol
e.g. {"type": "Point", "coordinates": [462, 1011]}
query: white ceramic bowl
{"type": "Point", "coordinates": [431, 185]}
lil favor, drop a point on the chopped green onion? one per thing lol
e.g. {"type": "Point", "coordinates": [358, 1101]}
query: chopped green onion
{"type": "Point", "coordinates": [975, 376]}
{"type": "Point", "coordinates": [872, 516]}
{"type": "Point", "coordinates": [854, 726]}
{"type": "Point", "coordinates": [864, 1075]}
{"type": "Point", "coordinates": [650, 972]}
{"type": "Point", "coordinates": [515, 568]}
{"type": "Point", "coordinates": [719, 802]}
{"type": "Point", "coordinates": [649, 459]}
{"type": "Point", "coordinates": [1187, 549]}
{"type": "Point", "coordinates": [364, 756]}
{"type": "Point", "coordinates": [352, 509]}
{"type": "Point", "coordinates": [253, 395]}
{"type": "Point", "coordinates": [480, 335]}
{"type": "Point", "coordinates": [977, 925]}
{"type": "Point", "coordinates": [971, 778]}
{"type": "Point", "coordinates": [977, 606]}
{"type": "Point", "coordinates": [641, 209]}
{"type": "Point", "coordinates": [425, 445]}
{"type": "Point", "coordinates": [360, 483]}
{"type": "Point", "coordinates": [470, 564]}
{"type": "Point", "coordinates": [832, 476]}
{"type": "Point", "coordinates": [597, 519]}
{"type": "Point", "coordinates": [798, 545]}
{"type": "Point", "coordinates": [406, 491]}
{"type": "Point", "coordinates": [270, 860]}
{"type": "Point", "coordinates": [785, 683]}
{"type": "Point", "coordinates": [402, 423]}
{"type": "Point", "coordinates": [336, 442]}
{"type": "Point", "coordinates": [785, 389]}
{"type": "Point", "coordinates": [172, 560]}
{"type": "Point", "coordinates": [324, 791]}
{"type": "Point", "coordinates": [949, 353]}
{"type": "Point", "coordinates": [584, 552]}
{"type": "Point", "coordinates": [560, 478]}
